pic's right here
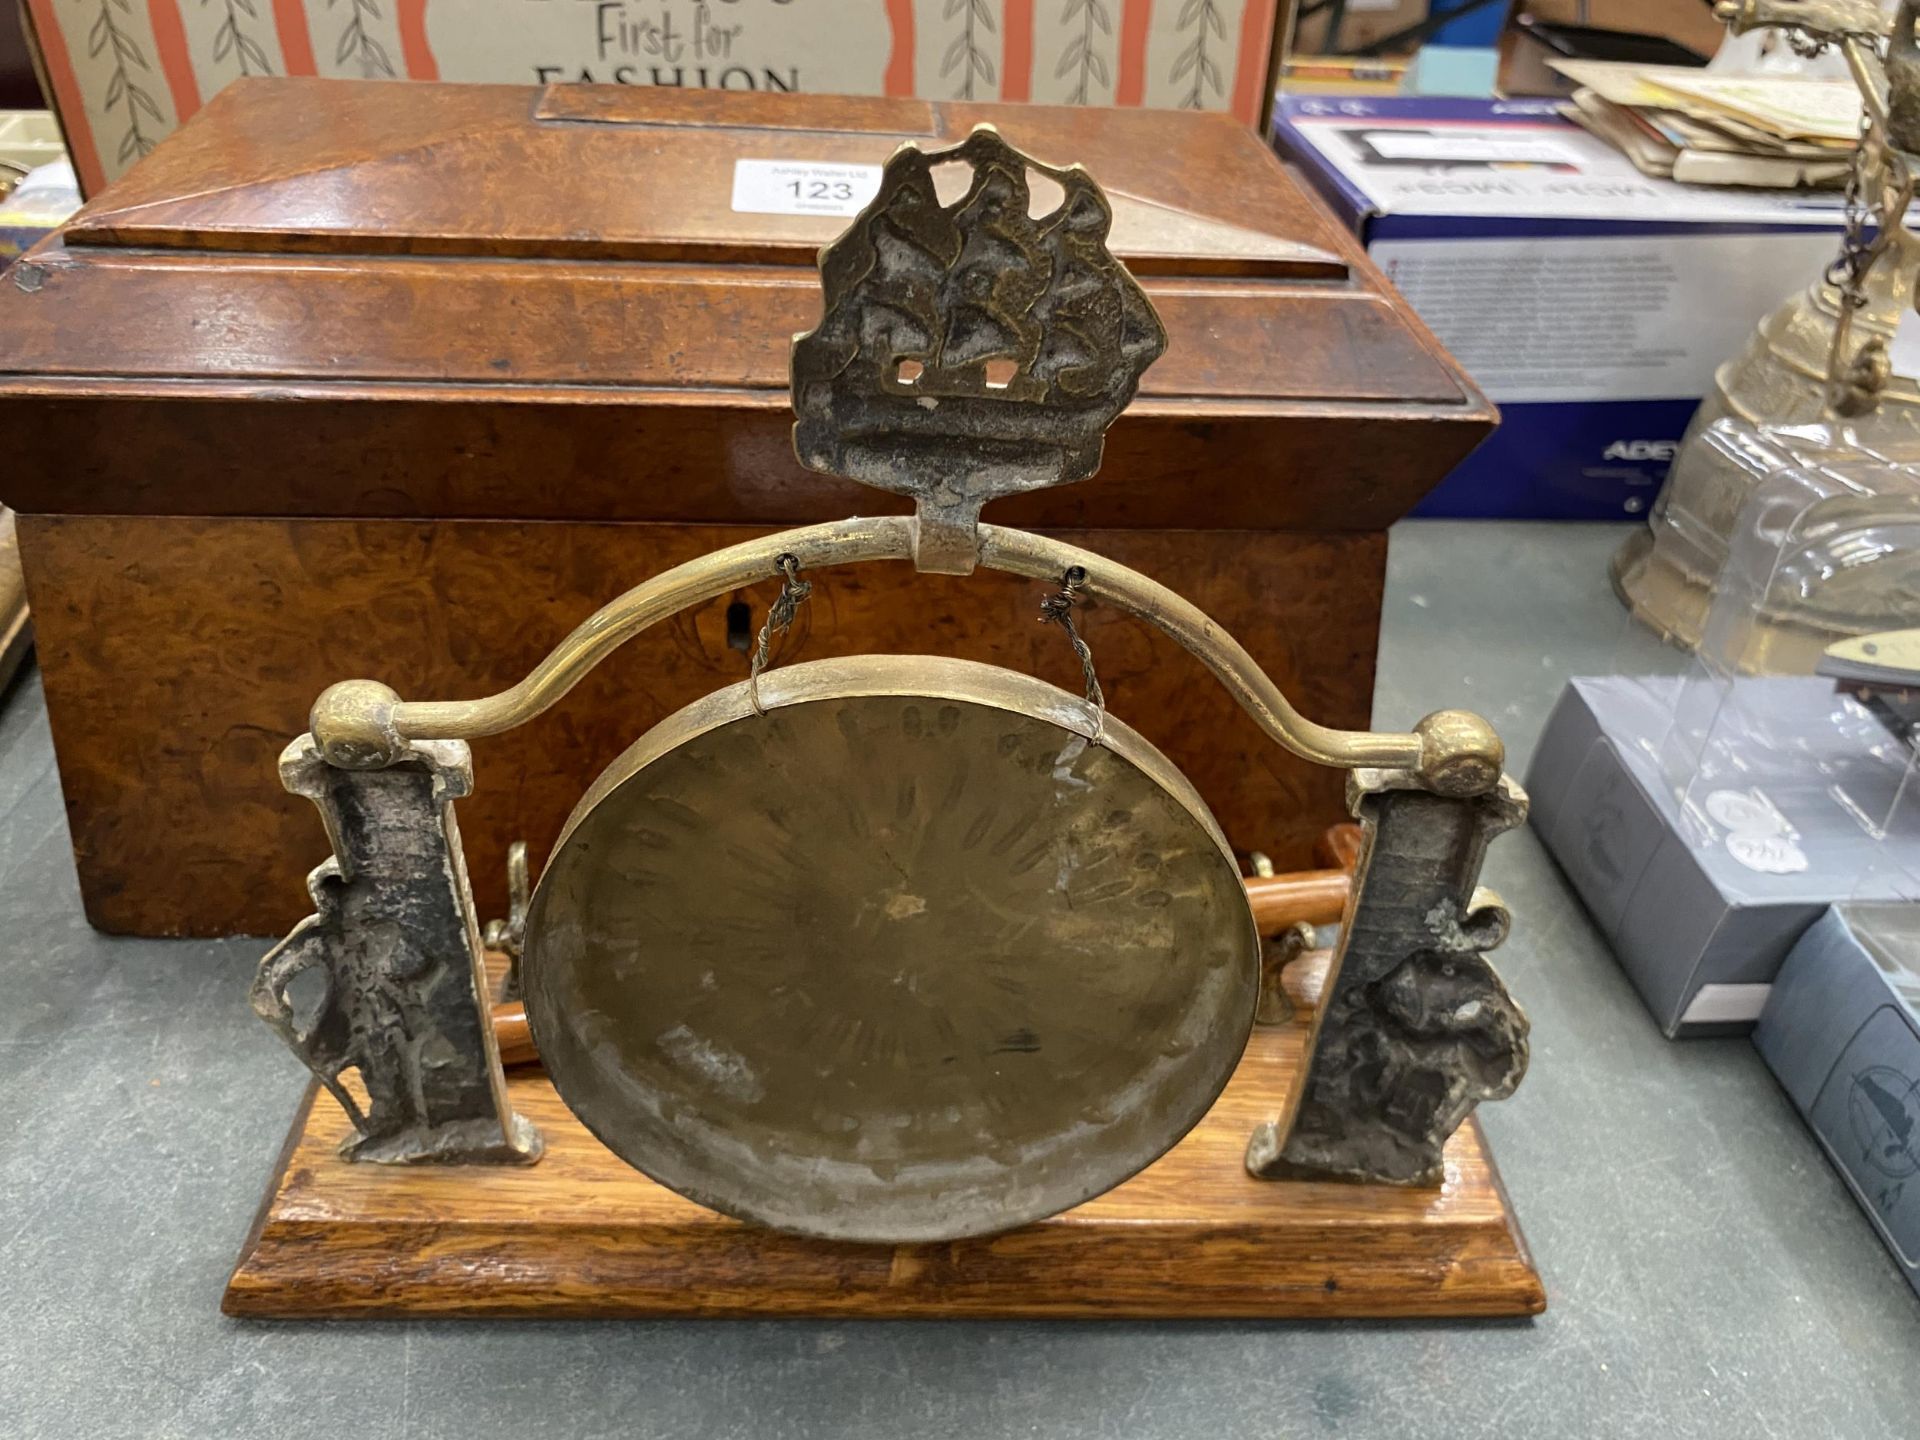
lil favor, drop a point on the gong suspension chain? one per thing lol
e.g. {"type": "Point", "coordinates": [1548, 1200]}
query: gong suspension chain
{"type": "Point", "coordinates": [793, 594]}
{"type": "Point", "coordinates": [1848, 272]}
{"type": "Point", "coordinates": [1057, 609]}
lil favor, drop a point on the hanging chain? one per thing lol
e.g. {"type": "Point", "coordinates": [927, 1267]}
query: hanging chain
{"type": "Point", "coordinates": [1856, 378]}
{"type": "Point", "coordinates": [1055, 609]}
{"type": "Point", "coordinates": [793, 594]}
{"type": "Point", "coordinates": [1806, 44]}
{"type": "Point", "coordinates": [1848, 272]}
{"type": "Point", "coordinates": [1058, 610]}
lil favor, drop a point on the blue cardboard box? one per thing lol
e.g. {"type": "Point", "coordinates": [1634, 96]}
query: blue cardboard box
{"type": "Point", "coordinates": [1591, 302]}
{"type": "Point", "coordinates": [1841, 1033]}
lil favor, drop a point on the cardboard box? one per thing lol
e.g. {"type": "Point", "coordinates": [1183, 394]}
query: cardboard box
{"type": "Point", "coordinates": [125, 75]}
{"type": "Point", "coordinates": [1841, 1033]}
{"type": "Point", "coordinates": [1591, 302]}
{"type": "Point", "coordinates": [1364, 23]}
{"type": "Point", "coordinates": [1693, 912]}
{"type": "Point", "coordinates": [1685, 23]}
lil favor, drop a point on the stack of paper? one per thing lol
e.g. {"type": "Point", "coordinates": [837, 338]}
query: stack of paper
{"type": "Point", "coordinates": [1708, 129]}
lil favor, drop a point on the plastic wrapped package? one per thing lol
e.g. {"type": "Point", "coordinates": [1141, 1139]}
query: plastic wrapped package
{"type": "Point", "coordinates": [1826, 546]}
{"type": "Point", "coordinates": [1809, 530]}
{"type": "Point", "coordinates": [1708, 818]}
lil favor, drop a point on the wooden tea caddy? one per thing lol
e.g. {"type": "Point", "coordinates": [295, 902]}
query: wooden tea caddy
{"type": "Point", "coordinates": [341, 361]}
{"type": "Point", "coordinates": [1090, 918]}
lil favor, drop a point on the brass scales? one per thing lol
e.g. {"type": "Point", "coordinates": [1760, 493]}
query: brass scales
{"type": "Point", "coordinates": [904, 985]}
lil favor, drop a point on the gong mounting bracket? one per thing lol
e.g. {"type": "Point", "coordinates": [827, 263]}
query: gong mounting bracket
{"type": "Point", "coordinates": [970, 350]}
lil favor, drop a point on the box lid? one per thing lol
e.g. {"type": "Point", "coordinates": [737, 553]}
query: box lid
{"type": "Point", "coordinates": [501, 246]}
{"type": "Point", "coordinates": [626, 173]}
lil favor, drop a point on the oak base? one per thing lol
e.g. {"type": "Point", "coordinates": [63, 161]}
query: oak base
{"type": "Point", "coordinates": [581, 1234]}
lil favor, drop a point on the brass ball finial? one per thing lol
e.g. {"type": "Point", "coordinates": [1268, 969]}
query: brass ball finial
{"type": "Point", "coordinates": [1459, 753]}
{"type": "Point", "coordinates": [352, 723]}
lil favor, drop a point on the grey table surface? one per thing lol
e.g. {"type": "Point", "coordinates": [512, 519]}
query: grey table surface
{"type": "Point", "coordinates": [1707, 1272]}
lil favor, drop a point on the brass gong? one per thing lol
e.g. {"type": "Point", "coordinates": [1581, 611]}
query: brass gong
{"type": "Point", "coordinates": [919, 949]}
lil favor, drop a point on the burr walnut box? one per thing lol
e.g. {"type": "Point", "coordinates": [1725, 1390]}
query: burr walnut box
{"type": "Point", "coordinates": [403, 381]}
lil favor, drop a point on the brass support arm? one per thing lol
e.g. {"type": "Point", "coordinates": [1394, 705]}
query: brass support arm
{"type": "Point", "coordinates": [362, 724]}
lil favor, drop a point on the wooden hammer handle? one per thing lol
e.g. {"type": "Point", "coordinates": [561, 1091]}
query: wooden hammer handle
{"type": "Point", "coordinates": [510, 1030]}
{"type": "Point", "coordinates": [1315, 897]}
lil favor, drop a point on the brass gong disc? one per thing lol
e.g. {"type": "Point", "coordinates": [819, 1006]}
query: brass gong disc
{"type": "Point", "coordinates": [904, 958]}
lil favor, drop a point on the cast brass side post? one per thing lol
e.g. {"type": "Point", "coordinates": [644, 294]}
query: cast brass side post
{"type": "Point", "coordinates": [394, 947]}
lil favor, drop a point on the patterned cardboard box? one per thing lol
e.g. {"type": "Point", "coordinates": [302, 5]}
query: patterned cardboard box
{"type": "Point", "coordinates": [126, 72]}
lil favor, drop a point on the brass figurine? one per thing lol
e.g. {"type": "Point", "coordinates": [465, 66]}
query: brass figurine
{"type": "Point", "coordinates": [1823, 357]}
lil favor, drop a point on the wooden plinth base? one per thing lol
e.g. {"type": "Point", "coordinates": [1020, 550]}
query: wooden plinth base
{"type": "Point", "coordinates": [582, 1234]}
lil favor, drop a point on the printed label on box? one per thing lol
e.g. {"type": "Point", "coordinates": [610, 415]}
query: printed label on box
{"type": "Point", "coordinates": [1726, 1005]}
{"type": "Point", "coordinates": [1502, 149]}
{"type": "Point", "coordinates": [802, 187]}
{"type": "Point", "coordinates": [1605, 317]}
{"type": "Point", "coordinates": [1868, 1112]}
